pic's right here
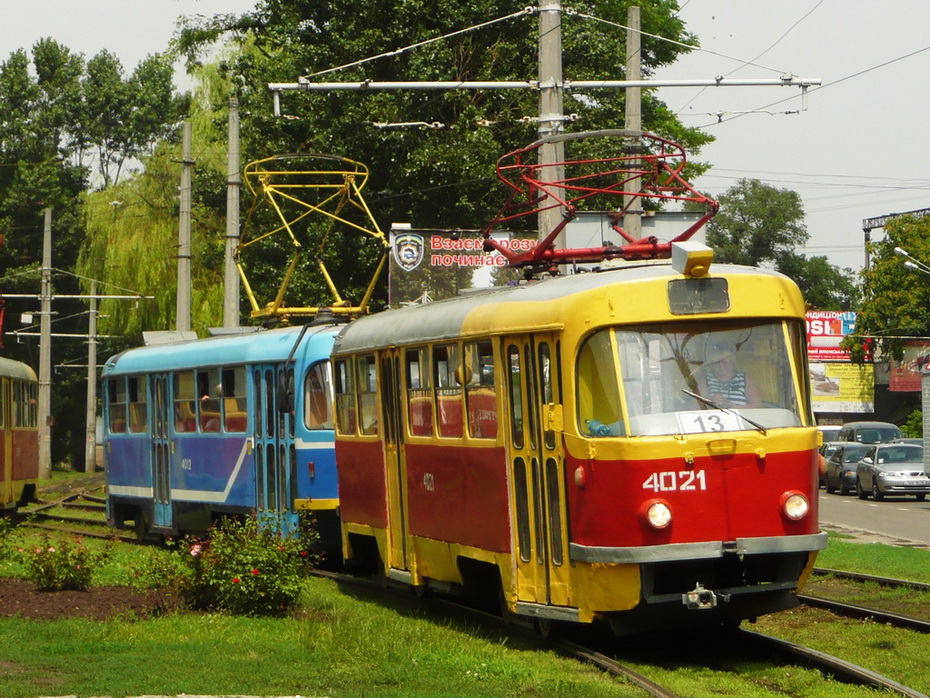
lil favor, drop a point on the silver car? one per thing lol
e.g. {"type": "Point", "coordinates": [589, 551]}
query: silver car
{"type": "Point", "coordinates": [890, 469]}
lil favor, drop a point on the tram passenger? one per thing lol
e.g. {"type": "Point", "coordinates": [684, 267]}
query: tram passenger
{"type": "Point", "coordinates": [723, 383]}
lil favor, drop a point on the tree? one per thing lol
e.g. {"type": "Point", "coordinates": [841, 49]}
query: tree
{"type": "Point", "coordinates": [124, 118]}
{"type": "Point", "coordinates": [896, 299]}
{"type": "Point", "coordinates": [759, 224]}
{"type": "Point", "coordinates": [824, 286]}
{"type": "Point", "coordinates": [439, 178]}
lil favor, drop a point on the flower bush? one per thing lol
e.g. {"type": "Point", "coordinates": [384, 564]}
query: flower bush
{"type": "Point", "coordinates": [242, 568]}
{"type": "Point", "coordinates": [57, 565]}
{"type": "Point", "coordinates": [6, 528]}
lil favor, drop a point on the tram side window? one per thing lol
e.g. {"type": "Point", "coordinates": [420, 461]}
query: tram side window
{"type": "Point", "coordinates": [138, 407]}
{"type": "Point", "coordinates": [25, 405]}
{"type": "Point", "coordinates": [419, 392]}
{"type": "Point", "coordinates": [346, 410]}
{"type": "Point", "coordinates": [209, 390]}
{"type": "Point", "coordinates": [448, 371]}
{"type": "Point", "coordinates": [598, 391]}
{"type": "Point", "coordinates": [185, 403]}
{"type": "Point", "coordinates": [367, 395]}
{"type": "Point", "coordinates": [479, 391]}
{"type": "Point", "coordinates": [116, 405]}
{"type": "Point", "coordinates": [318, 396]}
{"type": "Point", "coordinates": [516, 396]}
{"type": "Point", "coordinates": [235, 416]}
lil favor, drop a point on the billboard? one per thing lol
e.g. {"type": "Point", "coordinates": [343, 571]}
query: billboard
{"type": "Point", "coordinates": [904, 375]}
{"type": "Point", "coordinates": [842, 387]}
{"type": "Point", "coordinates": [825, 330]}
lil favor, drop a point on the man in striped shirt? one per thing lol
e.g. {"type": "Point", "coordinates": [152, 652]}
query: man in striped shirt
{"type": "Point", "coordinates": [725, 385]}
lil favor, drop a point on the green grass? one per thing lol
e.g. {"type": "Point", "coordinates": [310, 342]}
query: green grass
{"type": "Point", "coordinates": [338, 646]}
{"type": "Point", "coordinates": [342, 643]}
{"type": "Point", "coordinates": [876, 558]}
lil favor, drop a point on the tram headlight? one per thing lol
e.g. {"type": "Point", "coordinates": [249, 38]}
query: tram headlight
{"type": "Point", "coordinates": [658, 514]}
{"type": "Point", "coordinates": [795, 505]}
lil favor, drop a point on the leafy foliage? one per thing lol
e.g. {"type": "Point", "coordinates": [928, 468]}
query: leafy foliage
{"type": "Point", "coordinates": [243, 568]}
{"type": "Point", "coordinates": [760, 224]}
{"type": "Point", "coordinates": [896, 299]}
{"type": "Point", "coordinates": [757, 223]}
{"type": "Point", "coordinates": [443, 177]}
{"type": "Point", "coordinates": [62, 564]}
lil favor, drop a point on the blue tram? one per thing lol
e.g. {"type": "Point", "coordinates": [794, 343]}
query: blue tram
{"type": "Point", "coordinates": [222, 426]}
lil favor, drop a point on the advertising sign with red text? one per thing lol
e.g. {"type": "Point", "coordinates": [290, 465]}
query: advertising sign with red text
{"type": "Point", "coordinates": [825, 330]}
{"type": "Point", "coordinates": [427, 265]}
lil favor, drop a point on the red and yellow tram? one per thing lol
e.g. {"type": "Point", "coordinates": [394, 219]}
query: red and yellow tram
{"type": "Point", "coordinates": [19, 442]}
{"type": "Point", "coordinates": [634, 445]}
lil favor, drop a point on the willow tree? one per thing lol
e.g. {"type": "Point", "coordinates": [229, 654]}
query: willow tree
{"type": "Point", "coordinates": [132, 244]}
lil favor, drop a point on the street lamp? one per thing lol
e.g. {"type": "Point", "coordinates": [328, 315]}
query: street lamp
{"type": "Point", "coordinates": [912, 263]}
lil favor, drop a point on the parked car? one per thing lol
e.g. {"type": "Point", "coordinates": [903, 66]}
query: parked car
{"type": "Point", "coordinates": [906, 440]}
{"type": "Point", "coordinates": [889, 469]}
{"type": "Point", "coordinates": [841, 467]}
{"type": "Point", "coordinates": [869, 432]}
{"type": "Point", "coordinates": [826, 450]}
{"type": "Point", "coordinates": [829, 432]}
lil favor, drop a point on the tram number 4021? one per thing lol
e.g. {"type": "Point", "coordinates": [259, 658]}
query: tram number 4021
{"type": "Point", "coordinates": [672, 481]}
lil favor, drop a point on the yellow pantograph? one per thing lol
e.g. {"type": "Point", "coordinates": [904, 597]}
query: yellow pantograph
{"type": "Point", "coordinates": [297, 187]}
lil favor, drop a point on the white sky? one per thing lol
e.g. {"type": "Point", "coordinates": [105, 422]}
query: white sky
{"type": "Point", "coordinates": [132, 29]}
{"type": "Point", "coordinates": [859, 151]}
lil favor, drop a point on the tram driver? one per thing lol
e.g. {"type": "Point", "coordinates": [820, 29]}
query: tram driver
{"type": "Point", "coordinates": [722, 383]}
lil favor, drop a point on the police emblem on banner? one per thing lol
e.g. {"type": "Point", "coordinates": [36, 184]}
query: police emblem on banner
{"type": "Point", "coordinates": [408, 250]}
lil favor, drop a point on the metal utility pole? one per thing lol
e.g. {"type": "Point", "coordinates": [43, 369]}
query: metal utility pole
{"type": "Point", "coordinates": [183, 312]}
{"type": "Point", "coordinates": [551, 115]}
{"type": "Point", "coordinates": [632, 221]}
{"type": "Point", "coordinates": [45, 354]}
{"type": "Point", "coordinates": [233, 187]}
{"type": "Point", "coordinates": [90, 447]}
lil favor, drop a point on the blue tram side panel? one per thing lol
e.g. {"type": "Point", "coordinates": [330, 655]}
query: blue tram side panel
{"type": "Point", "coordinates": [231, 425]}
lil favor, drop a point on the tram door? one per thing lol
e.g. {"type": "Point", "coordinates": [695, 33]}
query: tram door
{"type": "Point", "coordinates": [392, 409]}
{"type": "Point", "coordinates": [537, 463]}
{"type": "Point", "coordinates": [162, 448]}
{"type": "Point", "coordinates": [274, 449]}
{"type": "Point", "coordinates": [6, 442]}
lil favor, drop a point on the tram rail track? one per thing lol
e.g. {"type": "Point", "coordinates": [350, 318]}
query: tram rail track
{"type": "Point", "coordinates": [830, 666]}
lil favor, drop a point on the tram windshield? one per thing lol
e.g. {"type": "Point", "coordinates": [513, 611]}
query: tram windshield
{"type": "Point", "coordinates": [685, 378]}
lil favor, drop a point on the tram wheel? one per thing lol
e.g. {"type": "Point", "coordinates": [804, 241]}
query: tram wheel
{"type": "Point", "coordinates": [503, 608]}
{"type": "Point", "coordinates": [139, 526]}
{"type": "Point", "coordinates": [548, 628]}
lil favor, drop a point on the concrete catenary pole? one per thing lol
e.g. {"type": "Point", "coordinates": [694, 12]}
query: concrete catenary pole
{"type": "Point", "coordinates": [632, 221]}
{"type": "Point", "coordinates": [90, 443]}
{"type": "Point", "coordinates": [550, 107]}
{"type": "Point", "coordinates": [233, 187]}
{"type": "Point", "coordinates": [183, 314]}
{"type": "Point", "coordinates": [45, 354]}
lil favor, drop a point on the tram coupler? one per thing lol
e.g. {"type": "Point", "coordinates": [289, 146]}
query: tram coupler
{"type": "Point", "coordinates": [699, 598]}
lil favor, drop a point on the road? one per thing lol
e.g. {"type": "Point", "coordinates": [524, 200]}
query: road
{"type": "Point", "coordinates": [896, 520]}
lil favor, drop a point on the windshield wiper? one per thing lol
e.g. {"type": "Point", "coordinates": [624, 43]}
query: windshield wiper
{"type": "Point", "coordinates": [726, 409]}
